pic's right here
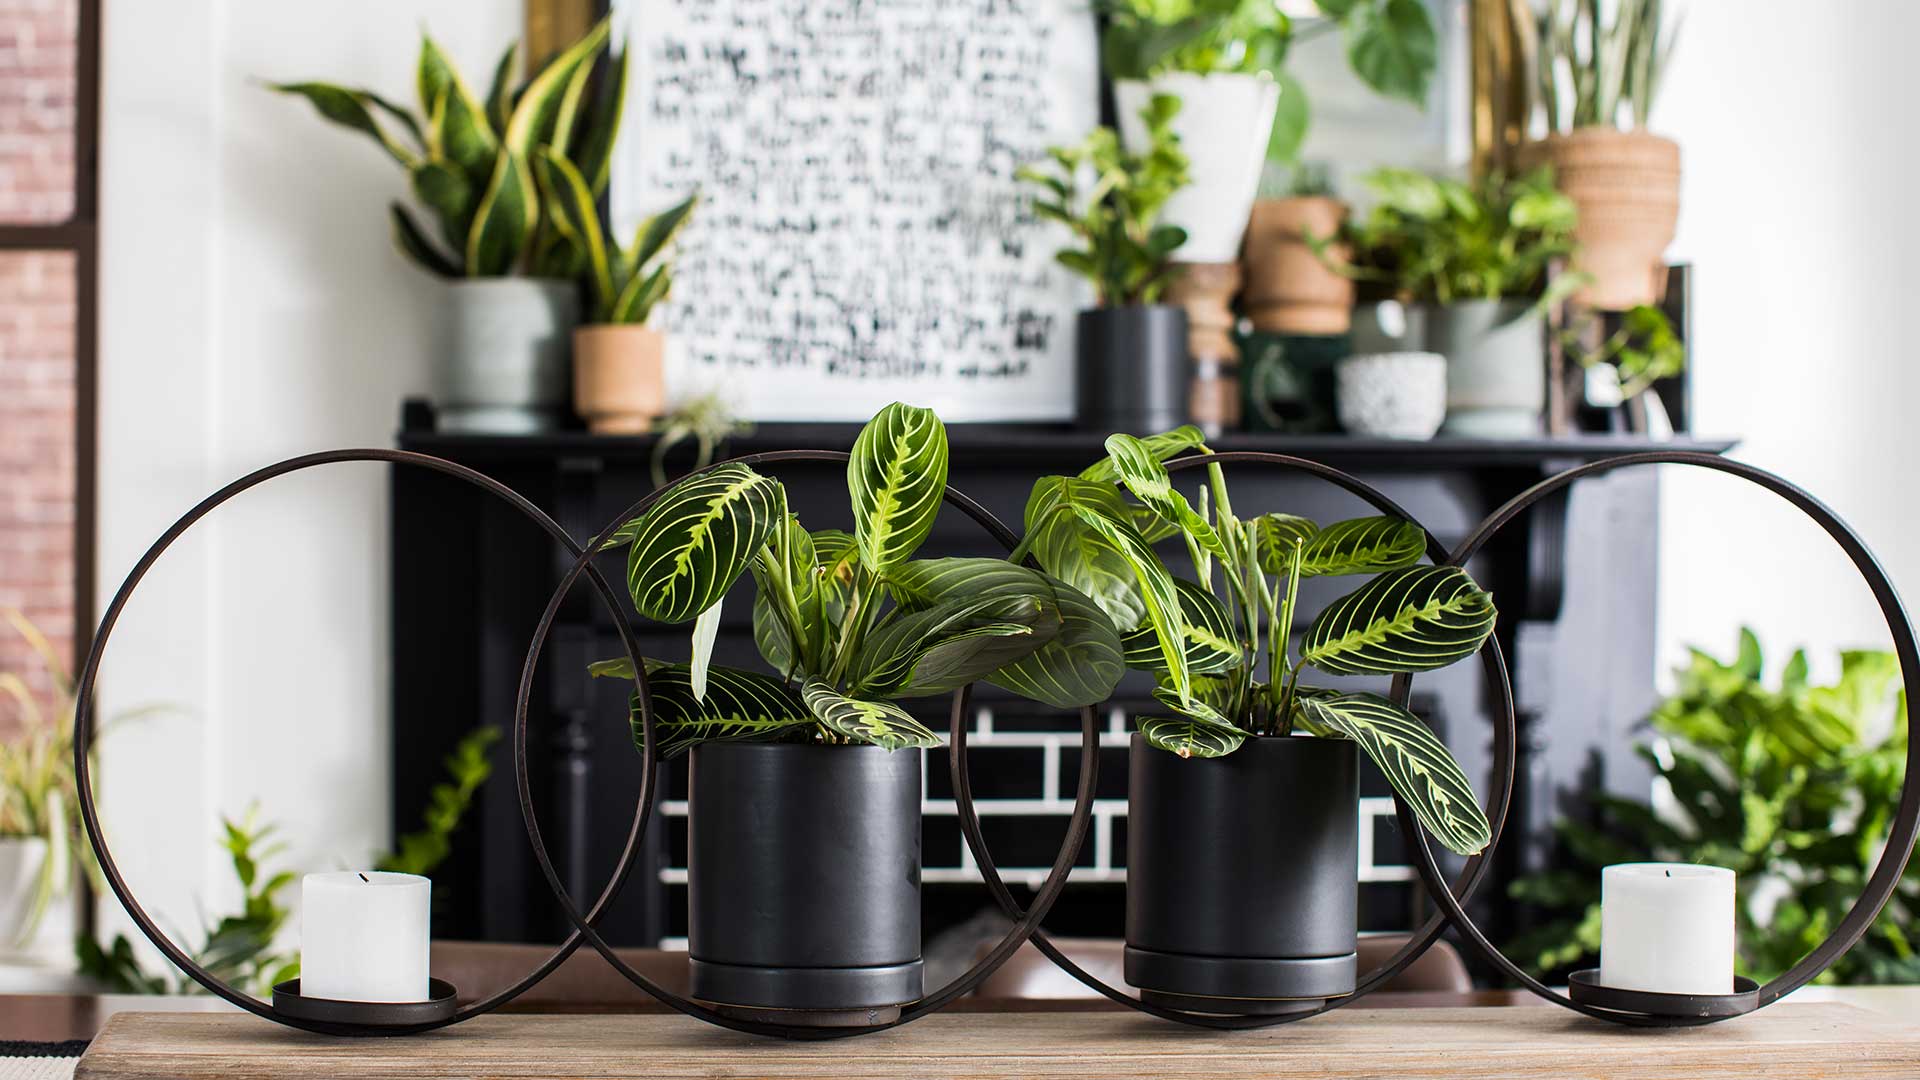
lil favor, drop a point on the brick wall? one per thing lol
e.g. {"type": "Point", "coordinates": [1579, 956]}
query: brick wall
{"type": "Point", "coordinates": [37, 467]}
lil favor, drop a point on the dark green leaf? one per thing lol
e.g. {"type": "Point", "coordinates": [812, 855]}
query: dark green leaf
{"type": "Point", "coordinates": [696, 541]}
{"type": "Point", "coordinates": [1411, 620]}
{"type": "Point", "coordinates": [897, 479]}
{"type": "Point", "coordinates": [877, 723]}
{"type": "Point", "coordinates": [1210, 642]}
{"type": "Point", "coordinates": [1415, 762]}
{"type": "Point", "coordinates": [738, 705]}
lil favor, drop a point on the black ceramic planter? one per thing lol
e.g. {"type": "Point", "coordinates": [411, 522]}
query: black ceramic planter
{"type": "Point", "coordinates": [803, 881]}
{"type": "Point", "coordinates": [1243, 876]}
{"type": "Point", "coordinates": [1133, 372]}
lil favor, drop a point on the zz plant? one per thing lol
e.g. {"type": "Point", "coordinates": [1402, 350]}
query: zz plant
{"type": "Point", "coordinates": [469, 159]}
{"type": "Point", "coordinates": [1219, 643]}
{"type": "Point", "coordinates": [849, 623]}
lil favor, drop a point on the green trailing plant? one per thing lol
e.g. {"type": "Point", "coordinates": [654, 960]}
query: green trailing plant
{"type": "Point", "coordinates": [469, 159]}
{"type": "Point", "coordinates": [624, 283]}
{"type": "Point", "coordinates": [1588, 71]}
{"type": "Point", "coordinates": [1435, 239]}
{"type": "Point", "coordinates": [1219, 642]}
{"type": "Point", "coordinates": [1790, 784]}
{"type": "Point", "coordinates": [1391, 46]}
{"type": "Point", "coordinates": [1642, 349]}
{"type": "Point", "coordinates": [851, 623]}
{"type": "Point", "coordinates": [1124, 251]}
{"type": "Point", "coordinates": [240, 948]}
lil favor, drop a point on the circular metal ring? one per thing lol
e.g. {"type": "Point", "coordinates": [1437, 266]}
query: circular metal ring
{"type": "Point", "coordinates": [1900, 837]}
{"type": "Point", "coordinates": [83, 736]}
{"type": "Point", "coordinates": [1493, 662]}
{"type": "Point", "coordinates": [1027, 921]}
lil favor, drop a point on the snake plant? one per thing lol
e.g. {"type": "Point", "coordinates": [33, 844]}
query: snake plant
{"type": "Point", "coordinates": [469, 160]}
{"type": "Point", "coordinates": [849, 623]}
{"type": "Point", "coordinates": [1203, 637]}
{"type": "Point", "coordinates": [624, 283]}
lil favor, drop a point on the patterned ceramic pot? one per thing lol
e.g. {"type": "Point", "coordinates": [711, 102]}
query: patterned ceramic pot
{"type": "Point", "coordinates": [1396, 395]}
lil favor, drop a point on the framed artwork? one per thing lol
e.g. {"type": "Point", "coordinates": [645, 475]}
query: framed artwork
{"type": "Point", "coordinates": [860, 236]}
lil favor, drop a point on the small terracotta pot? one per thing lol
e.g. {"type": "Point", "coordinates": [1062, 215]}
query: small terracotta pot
{"type": "Point", "coordinates": [619, 383]}
{"type": "Point", "coordinates": [1626, 185]}
{"type": "Point", "coordinates": [1289, 290]}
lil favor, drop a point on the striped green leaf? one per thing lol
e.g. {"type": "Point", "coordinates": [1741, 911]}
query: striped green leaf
{"type": "Point", "coordinates": [1363, 546]}
{"type": "Point", "coordinates": [457, 126]}
{"type": "Point", "coordinates": [785, 569]}
{"type": "Point", "coordinates": [1147, 479]}
{"type": "Point", "coordinates": [877, 723]}
{"type": "Point", "coordinates": [943, 647]}
{"type": "Point", "coordinates": [1167, 444]}
{"type": "Point", "coordinates": [1079, 665]}
{"type": "Point", "coordinates": [696, 541]}
{"type": "Point", "coordinates": [536, 113]}
{"type": "Point", "coordinates": [593, 146]}
{"type": "Point", "coordinates": [1411, 620]}
{"type": "Point", "coordinates": [442, 186]}
{"type": "Point", "coordinates": [836, 554]}
{"type": "Point", "coordinates": [355, 109]}
{"type": "Point", "coordinates": [504, 219]}
{"type": "Point", "coordinates": [414, 244]}
{"type": "Point", "coordinates": [1414, 760]}
{"type": "Point", "coordinates": [1188, 737]}
{"type": "Point", "coordinates": [500, 94]}
{"type": "Point", "coordinates": [897, 477]}
{"type": "Point", "coordinates": [1073, 552]}
{"type": "Point", "coordinates": [575, 214]}
{"type": "Point", "coordinates": [1274, 537]}
{"type": "Point", "coordinates": [1210, 643]}
{"type": "Point", "coordinates": [1156, 589]}
{"type": "Point", "coordinates": [738, 705]}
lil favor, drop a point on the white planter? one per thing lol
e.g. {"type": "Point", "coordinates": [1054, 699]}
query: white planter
{"type": "Point", "coordinates": [24, 941]}
{"type": "Point", "coordinates": [1398, 395]}
{"type": "Point", "coordinates": [1224, 123]}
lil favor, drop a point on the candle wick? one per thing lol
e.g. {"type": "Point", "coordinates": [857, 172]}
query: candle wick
{"type": "Point", "coordinates": [363, 877]}
{"type": "Point", "coordinates": [1669, 874]}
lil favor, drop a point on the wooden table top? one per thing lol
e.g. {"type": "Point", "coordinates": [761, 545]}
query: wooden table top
{"type": "Point", "coordinates": [1804, 1041]}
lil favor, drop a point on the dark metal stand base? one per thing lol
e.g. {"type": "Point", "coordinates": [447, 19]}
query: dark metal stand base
{"type": "Point", "coordinates": [811, 1018]}
{"type": "Point", "coordinates": [440, 1003]}
{"type": "Point", "coordinates": [1585, 987]}
{"type": "Point", "coordinates": [1223, 1006]}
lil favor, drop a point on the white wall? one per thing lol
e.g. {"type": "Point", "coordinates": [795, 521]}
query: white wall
{"type": "Point", "coordinates": [1799, 214]}
{"type": "Point", "coordinates": [252, 309]}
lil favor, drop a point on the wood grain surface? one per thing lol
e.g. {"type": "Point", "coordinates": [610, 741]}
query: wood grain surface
{"type": "Point", "coordinates": [1805, 1042]}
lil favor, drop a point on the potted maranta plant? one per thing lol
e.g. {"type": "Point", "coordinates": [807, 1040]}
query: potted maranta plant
{"type": "Point", "coordinates": [511, 299]}
{"type": "Point", "coordinates": [1225, 59]}
{"type": "Point", "coordinates": [1131, 350]}
{"type": "Point", "coordinates": [803, 811]}
{"type": "Point", "coordinates": [619, 374]}
{"type": "Point", "coordinates": [1479, 257]}
{"type": "Point", "coordinates": [1258, 919]}
{"type": "Point", "coordinates": [1596, 82]}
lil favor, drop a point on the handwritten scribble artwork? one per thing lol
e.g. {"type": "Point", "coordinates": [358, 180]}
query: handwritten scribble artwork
{"type": "Point", "coordinates": [860, 237]}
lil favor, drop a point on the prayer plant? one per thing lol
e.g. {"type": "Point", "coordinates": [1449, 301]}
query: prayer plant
{"type": "Point", "coordinates": [850, 623]}
{"type": "Point", "coordinates": [1204, 637]}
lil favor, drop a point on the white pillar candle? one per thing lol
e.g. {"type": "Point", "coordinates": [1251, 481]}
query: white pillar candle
{"type": "Point", "coordinates": [1667, 927]}
{"type": "Point", "coordinates": [363, 936]}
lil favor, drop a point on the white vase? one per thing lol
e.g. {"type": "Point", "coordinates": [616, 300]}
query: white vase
{"type": "Point", "coordinates": [46, 941]}
{"type": "Point", "coordinates": [1397, 395]}
{"type": "Point", "coordinates": [1224, 123]}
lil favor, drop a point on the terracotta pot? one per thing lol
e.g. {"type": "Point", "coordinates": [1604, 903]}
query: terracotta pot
{"type": "Point", "coordinates": [1288, 289]}
{"type": "Point", "coordinates": [619, 383]}
{"type": "Point", "coordinates": [1627, 187]}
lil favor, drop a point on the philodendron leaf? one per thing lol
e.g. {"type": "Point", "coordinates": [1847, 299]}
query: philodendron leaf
{"type": "Point", "coordinates": [1143, 475]}
{"type": "Point", "coordinates": [1393, 47]}
{"type": "Point", "coordinates": [1210, 644]}
{"type": "Point", "coordinates": [1361, 546]}
{"type": "Point", "coordinates": [1167, 444]}
{"type": "Point", "coordinates": [738, 705]}
{"type": "Point", "coordinates": [938, 649]}
{"type": "Point", "coordinates": [897, 478]}
{"type": "Point", "coordinates": [1079, 665]}
{"type": "Point", "coordinates": [1414, 760]}
{"type": "Point", "coordinates": [1071, 551]}
{"type": "Point", "coordinates": [696, 541]}
{"type": "Point", "coordinates": [1411, 620]}
{"type": "Point", "coordinates": [878, 723]}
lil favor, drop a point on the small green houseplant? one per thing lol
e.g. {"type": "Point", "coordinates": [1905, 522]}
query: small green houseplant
{"type": "Point", "coordinates": [1595, 81]}
{"type": "Point", "coordinates": [1131, 349]}
{"type": "Point", "coordinates": [798, 802]}
{"type": "Point", "coordinates": [1231, 744]}
{"type": "Point", "coordinates": [619, 377]}
{"type": "Point", "coordinates": [1226, 60]}
{"type": "Point", "coordinates": [1788, 782]}
{"type": "Point", "coordinates": [40, 831]}
{"type": "Point", "coordinates": [494, 235]}
{"type": "Point", "coordinates": [1480, 256]}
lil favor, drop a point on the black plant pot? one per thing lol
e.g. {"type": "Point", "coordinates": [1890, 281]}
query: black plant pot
{"type": "Point", "coordinates": [1133, 371]}
{"type": "Point", "coordinates": [1243, 876]}
{"type": "Point", "coordinates": [803, 875]}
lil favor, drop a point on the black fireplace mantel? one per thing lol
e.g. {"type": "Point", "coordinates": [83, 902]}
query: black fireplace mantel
{"type": "Point", "coordinates": [1575, 582]}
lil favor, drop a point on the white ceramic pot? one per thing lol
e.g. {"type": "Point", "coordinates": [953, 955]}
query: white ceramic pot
{"type": "Point", "coordinates": [1396, 395]}
{"type": "Point", "coordinates": [27, 940]}
{"type": "Point", "coordinates": [1223, 124]}
{"type": "Point", "coordinates": [505, 366]}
